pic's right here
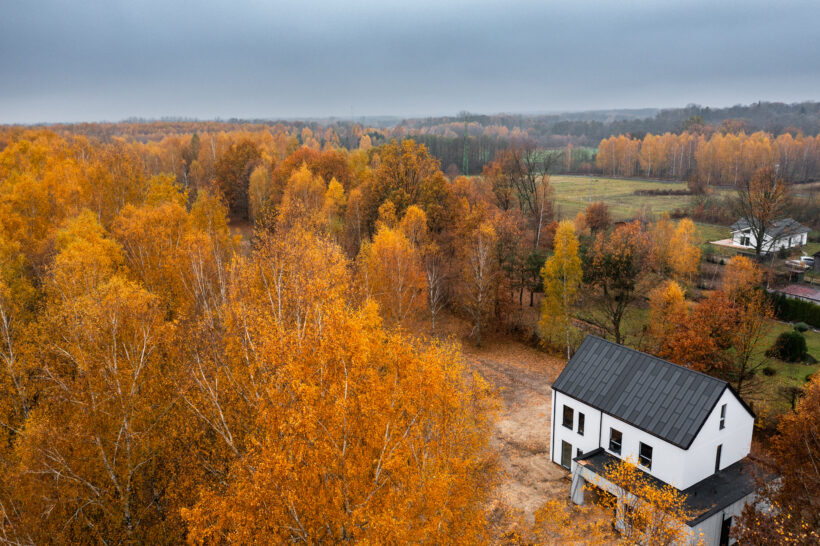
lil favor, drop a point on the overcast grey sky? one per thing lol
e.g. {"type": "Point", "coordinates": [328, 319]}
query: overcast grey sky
{"type": "Point", "coordinates": [93, 60]}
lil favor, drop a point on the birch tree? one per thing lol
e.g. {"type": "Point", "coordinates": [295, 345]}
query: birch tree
{"type": "Point", "coordinates": [562, 279]}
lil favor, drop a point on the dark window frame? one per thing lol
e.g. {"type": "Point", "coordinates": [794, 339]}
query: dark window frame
{"type": "Point", "coordinates": [581, 421]}
{"type": "Point", "coordinates": [644, 460]}
{"type": "Point", "coordinates": [612, 442]}
{"type": "Point", "coordinates": [571, 417]}
{"type": "Point", "coordinates": [566, 447]}
{"type": "Point", "coordinates": [722, 416]}
{"type": "Point", "coordinates": [717, 458]}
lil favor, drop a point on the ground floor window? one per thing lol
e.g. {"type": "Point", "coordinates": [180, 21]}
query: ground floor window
{"type": "Point", "coordinates": [566, 454]}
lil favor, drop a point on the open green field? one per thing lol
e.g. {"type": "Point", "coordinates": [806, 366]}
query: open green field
{"type": "Point", "coordinates": [574, 193]}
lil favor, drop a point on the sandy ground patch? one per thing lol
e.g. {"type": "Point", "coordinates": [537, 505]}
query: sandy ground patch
{"type": "Point", "coordinates": [523, 377]}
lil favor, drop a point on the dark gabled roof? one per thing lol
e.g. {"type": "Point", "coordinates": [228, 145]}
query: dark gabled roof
{"type": "Point", "coordinates": [656, 396]}
{"type": "Point", "coordinates": [704, 498]}
{"type": "Point", "coordinates": [784, 226]}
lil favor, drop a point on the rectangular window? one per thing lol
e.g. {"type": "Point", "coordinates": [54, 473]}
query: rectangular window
{"type": "Point", "coordinates": [645, 456]}
{"type": "Point", "coordinates": [578, 452]}
{"type": "Point", "coordinates": [581, 423]}
{"type": "Point", "coordinates": [717, 458]}
{"type": "Point", "coordinates": [568, 417]}
{"type": "Point", "coordinates": [722, 416]}
{"type": "Point", "coordinates": [566, 454]}
{"type": "Point", "coordinates": [615, 438]}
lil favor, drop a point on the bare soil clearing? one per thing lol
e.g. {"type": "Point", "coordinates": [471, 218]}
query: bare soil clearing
{"type": "Point", "coordinates": [523, 377]}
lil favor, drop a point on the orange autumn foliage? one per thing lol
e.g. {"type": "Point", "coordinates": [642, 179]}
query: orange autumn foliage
{"type": "Point", "coordinates": [163, 381]}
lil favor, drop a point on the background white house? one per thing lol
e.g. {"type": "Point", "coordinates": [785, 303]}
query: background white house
{"type": "Point", "coordinates": [784, 233]}
{"type": "Point", "coordinates": [681, 427]}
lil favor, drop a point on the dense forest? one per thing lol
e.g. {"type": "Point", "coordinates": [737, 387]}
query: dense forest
{"type": "Point", "coordinates": [577, 135]}
{"type": "Point", "coordinates": [231, 335]}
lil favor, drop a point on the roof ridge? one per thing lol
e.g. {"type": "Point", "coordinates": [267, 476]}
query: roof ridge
{"type": "Point", "coordinates": [658, 358]}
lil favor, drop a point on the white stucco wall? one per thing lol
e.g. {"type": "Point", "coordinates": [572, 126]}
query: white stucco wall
{"type": "Point", "coordinates": [586, 442]}
{"type": "Point", "coordinates": [668, 461]}
{"type": "Point", "coordinates": [671, 464]}
{"type": "Point", "coordinates": [768, 246]}
{"type": "Point", "coordinates": [736, 440]}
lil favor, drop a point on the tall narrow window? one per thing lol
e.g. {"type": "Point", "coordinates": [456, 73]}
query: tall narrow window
{"type": "Point", "coordinates": [615, 438]}
{"type": "Point", "coordinates": [645, 456]}
{"type": "Point", "coordinates": [722, 416]}
{"type": "Point", "coordinates": [568, 417]}
{"type": "Point", "coordinates": [566, 455]}
{"type": "Point", "coordinates": [581, 423]}
{"type": "Point", "coordinates": [717, 458]}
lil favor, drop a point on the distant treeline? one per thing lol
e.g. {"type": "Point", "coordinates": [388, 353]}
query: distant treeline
{"type": "Point", "coordinates": [588, 128]}
{"type": "Point", "coordinates": [720, 159]}
{"type": "Point", "coordinates": [575, 135]}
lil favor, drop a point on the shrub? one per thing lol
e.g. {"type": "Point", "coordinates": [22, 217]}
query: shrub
{"type": "Point", "coordinates": [768, 370]}
{"type": "Point", "coordinates": [796, 310]}
{"type": "Point", "coordinates": [801, 327]}
{"type": "Point", "coordinates": [789, 346]}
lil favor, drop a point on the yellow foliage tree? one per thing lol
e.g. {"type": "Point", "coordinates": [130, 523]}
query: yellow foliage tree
{"type": "Point", "coordinates": [685, 259]}
{"type": "Point", "coordinates": [391, 271]}
{"type": "Point", "coordinates": [303, 201]}
{"type": "Point", "coordinates": [741, 275]}
{"type": "Point", "coordinates": [561, 274]}
{"type": "Point", "coordinates": [260, 193]}
{"type": "Point", "coordinates": [667, 308]}
{"type": "Point", "coordinates": [645, 512]}
{"type": "Point", "coordinates": [394, 431]}
{"type": "Point", "coordinates": [479, 275]}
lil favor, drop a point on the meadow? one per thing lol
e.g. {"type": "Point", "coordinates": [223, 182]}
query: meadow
{"type": "Point", "coordinates": [574, 193]}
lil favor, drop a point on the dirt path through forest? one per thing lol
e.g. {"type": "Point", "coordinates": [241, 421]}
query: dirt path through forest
{"type": "Point", "coordinates": [523, 377]}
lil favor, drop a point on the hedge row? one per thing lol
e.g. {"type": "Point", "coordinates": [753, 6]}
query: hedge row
{"type": "Point", "coordinates": [793, 310]}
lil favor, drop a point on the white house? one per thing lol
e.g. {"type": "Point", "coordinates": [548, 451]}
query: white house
{"type": "Point", "coordinates": [681, 427]}
{"type": "Point", "coordinates": [784, 233]}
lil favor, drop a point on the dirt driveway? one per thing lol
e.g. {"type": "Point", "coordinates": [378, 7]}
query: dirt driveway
{"type": "Point", "coordinates": [523, 377]}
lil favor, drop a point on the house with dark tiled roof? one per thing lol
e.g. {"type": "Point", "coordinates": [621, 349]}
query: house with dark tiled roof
{"type": "Point", "coordinates": [781, 234]}
{"type": "Point", "coordinates": [681, 427]}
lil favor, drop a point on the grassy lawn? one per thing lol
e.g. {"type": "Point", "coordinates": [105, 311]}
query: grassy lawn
{"type": "Point", "coordinates": [712, 232]}
{"type": "Point", "coordinates": [811, 248]}
{"type": "Point", "coordinates": [789, 373]}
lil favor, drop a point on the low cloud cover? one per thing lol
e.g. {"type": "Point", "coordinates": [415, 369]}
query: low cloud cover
{"type": "Point", "coordinates": [110, 60]}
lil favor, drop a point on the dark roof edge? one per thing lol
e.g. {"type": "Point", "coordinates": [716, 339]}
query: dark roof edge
{"type": "Point", "coordinates": [703, 422]}
{"type": "Point", "coordinates": [588, 454]}
{"type": "Point", "coordinates": [739, 399]}
{"type": "Point", "coordinates": [706, 515]}
{"type": "Point", "coordinates": [742, 402]}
